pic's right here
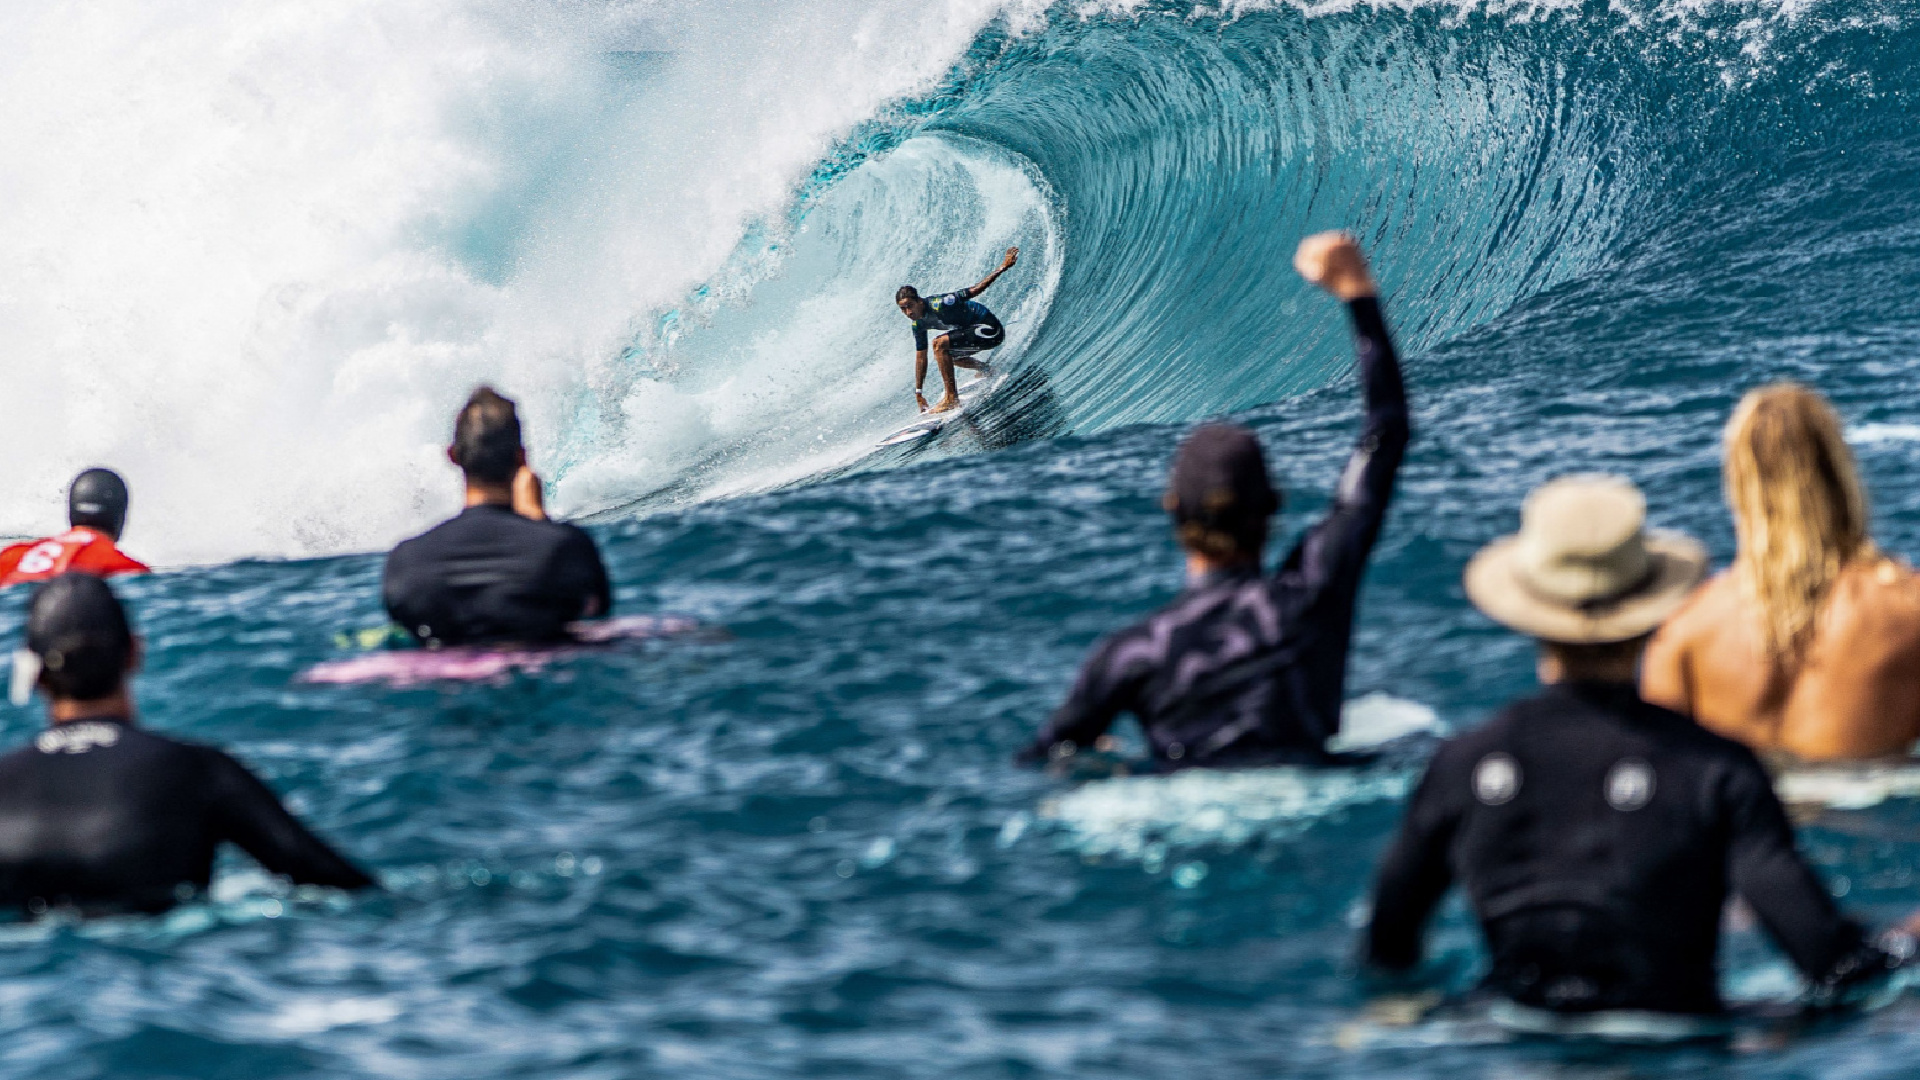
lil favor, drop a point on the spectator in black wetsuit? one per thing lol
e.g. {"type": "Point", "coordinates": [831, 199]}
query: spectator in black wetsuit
{"type": "Point", "coordinates": [500, 571]}
{"type": "Point", "coordinates": [1597, 836]}
{"type": "Point", "coordinates": [1242, 668]}
{"type": "Point", "coordinates": [99, 816]}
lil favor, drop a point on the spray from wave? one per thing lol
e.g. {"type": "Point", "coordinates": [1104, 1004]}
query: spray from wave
{"type": "Point", "coordinates": [258, 253]}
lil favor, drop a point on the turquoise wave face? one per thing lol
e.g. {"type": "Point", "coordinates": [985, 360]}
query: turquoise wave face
{"type": "Point", "coordinates": [1485, 159]}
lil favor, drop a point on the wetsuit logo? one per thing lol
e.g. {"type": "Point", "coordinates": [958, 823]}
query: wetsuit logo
{"type": "Point", "coordinates": [1629, 784]}
{"type": "Point", "coordinates": [1496, 779]}
{"type": "Point", "coordinates": [76, 738]}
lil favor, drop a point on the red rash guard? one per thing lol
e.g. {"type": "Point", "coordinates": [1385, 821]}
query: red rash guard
{"type": "Point", "coordinates": [79, 548]}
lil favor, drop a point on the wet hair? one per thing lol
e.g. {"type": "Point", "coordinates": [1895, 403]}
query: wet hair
{"type": "Point", "coordinates": [97, 499]}
{"type": "Point", "coordinates": [1799, 511]}
{"type": "Point", "coordinates": [1219, 494]}
{"type": "Point", "coordinates": [78, 629]}
{"type": "Point", "coordinates": [486, 437]}
{"type": "Point", "coordinates": [905, 292]}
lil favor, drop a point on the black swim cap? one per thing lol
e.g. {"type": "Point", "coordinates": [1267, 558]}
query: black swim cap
{"type": "Point", "coordinates": [78, 629]}
{"type": "Point", "coordinates": [1219, 486]}
{"type": "Point", "coordinates": [98, 500]}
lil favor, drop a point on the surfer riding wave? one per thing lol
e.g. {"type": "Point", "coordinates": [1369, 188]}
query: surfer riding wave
{"type": "Point", "coordinates": [964, 328]}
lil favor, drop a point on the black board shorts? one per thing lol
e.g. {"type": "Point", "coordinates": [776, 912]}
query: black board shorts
{"type": "Point", "coordinates": [967, 340]}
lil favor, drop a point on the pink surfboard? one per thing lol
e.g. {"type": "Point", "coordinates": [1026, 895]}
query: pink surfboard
{"type": "Point", "coordinates": [470, 663]}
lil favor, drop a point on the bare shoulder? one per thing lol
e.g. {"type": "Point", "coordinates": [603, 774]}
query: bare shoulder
{"type": "Point", "coordinates": [1887, 591]}
{"type": "Point", "coordinates": [1706, 607]}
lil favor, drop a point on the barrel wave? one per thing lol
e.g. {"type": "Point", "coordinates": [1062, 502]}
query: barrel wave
{"type": "Point", "coordinates": [281, 277]}
{"type": "Point", "coordinates": [1161, 162]}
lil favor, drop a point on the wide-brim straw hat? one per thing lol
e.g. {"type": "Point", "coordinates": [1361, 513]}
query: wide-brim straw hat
{"type": "Point", "coordinates": [1584, 568]}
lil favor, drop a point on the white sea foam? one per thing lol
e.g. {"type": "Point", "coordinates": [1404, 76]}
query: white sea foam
{"type": "Point", "coordinates": [1874, 434]}
{"type": "Point", "coordinates": [1149, 817]}
{"type": "Point", "coordinates": [256, 253]}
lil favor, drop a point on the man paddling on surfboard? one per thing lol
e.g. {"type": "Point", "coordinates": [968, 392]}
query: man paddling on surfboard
{"type": "Point", "coordinates": [964, 330]}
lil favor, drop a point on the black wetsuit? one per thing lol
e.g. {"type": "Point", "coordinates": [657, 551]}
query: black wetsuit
{"type": "Point", "coordinates": [101, 816]}
{"type": "Point", "coordinates": [491, 575]}
{"type": "Point", "coordinates": [1241, 668]}
{"type": "Point", "coordinates": [1597, 838]}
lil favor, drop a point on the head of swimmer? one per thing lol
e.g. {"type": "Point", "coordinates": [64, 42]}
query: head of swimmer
{"type": "Point", "coordinates": [486, 446]}
{"type": "Point", "coordinates": [1800, 512]}
{"type": "Point", "coordinates": [97, 499]}
{"type": "Point", "coordinates": [1221, 498]}
{"type": "Point", "coordinates": [908, 299]}
{"type": "Point", "coordinates": [85, 646]}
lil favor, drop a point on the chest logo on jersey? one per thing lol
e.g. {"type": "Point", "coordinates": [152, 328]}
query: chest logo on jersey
{"type": "Point", "coordinates": [77, 738]}
{"type": "Point", "coordinates": [1496, 779]}
{"type": "Point", "coordinates": [1629, 784]}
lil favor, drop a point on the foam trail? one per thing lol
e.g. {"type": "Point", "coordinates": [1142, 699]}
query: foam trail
{"type": "Point", "coordinates": [257, 253]}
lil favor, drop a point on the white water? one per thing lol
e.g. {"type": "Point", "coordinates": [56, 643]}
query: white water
{"type": "Point", "coordinates": [257, 253]}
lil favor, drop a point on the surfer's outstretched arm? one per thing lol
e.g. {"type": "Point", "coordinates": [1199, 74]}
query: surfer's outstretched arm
{"type": "Point", "coordinates": [1334, 552]}
{"type": "Point", "coordinates": [1013, 256]}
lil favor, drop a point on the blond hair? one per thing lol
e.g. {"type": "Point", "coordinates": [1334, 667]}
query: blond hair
{"type": "Point", "coordinates": [1799, 511]}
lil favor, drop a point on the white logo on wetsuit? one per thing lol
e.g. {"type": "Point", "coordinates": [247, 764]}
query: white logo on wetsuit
{"type": "Point", "coordinates": [77, 738]}
{"type": "Point", "coordinates": [1496, 779]}
{"type": "Point", "coordinates": [1629, 784]}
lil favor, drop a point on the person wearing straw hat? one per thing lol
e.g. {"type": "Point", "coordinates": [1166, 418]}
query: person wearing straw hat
{"type": "Point", "coordinates": [1597, 836]}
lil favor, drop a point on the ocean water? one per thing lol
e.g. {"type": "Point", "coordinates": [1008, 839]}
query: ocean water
{"type": "Point", "coordinates": [256, 253]}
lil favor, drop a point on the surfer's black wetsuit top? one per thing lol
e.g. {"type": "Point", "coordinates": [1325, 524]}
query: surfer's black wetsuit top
{"type": "Point", "coordinates": [490, 575]}
{"type": "Point", "coordinates": [1245, 669]}
{"type": "Point", "coordinates": [102, 816]}
{"type": "Point", "coordinates": [1597, 837]}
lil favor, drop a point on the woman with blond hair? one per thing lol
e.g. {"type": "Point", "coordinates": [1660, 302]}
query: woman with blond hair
{"type": "Point", "coordinates": [1810, 644]}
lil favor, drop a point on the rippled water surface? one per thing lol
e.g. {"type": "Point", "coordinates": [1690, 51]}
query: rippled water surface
{"type": "Point", "coordinates": [796, 846]}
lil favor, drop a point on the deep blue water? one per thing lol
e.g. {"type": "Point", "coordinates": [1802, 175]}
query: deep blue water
{"type": "Point", "coordinates": [801, 850]}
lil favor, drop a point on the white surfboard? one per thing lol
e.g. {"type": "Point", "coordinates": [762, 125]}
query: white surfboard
{"type": "Point", "coordinates": [972, 392]}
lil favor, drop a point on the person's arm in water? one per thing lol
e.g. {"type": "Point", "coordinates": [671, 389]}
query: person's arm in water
{"type": "Point", "coordinates": [1335, 551]}
{"type": "Point", "coordinates": [1416, 871]}
{"type": "Point", "coordinates": [1013, 256]}
{"type": "Point", "coordinates": [1766, 869]}
{"type": "Point", "coordinates": [247, 813]}
{"type": "Point", "coordinates": [1104, 689]}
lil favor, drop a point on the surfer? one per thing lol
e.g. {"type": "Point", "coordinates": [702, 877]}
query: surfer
{"type": "Point", "coordinates": [500, 570]}
{"type": "Point", "coordinates": [964, 328]}
{"type": "Point", "coordinates": [1243, 668]}
{"type": "Point", "coordinates": [1597, 835]}
{"type": "Point", "coordinates": [97, 815]}
{"type": "Point", "coordinates": [96, 515]}
{"type": "Point", "coordinates": [1809, 644]}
